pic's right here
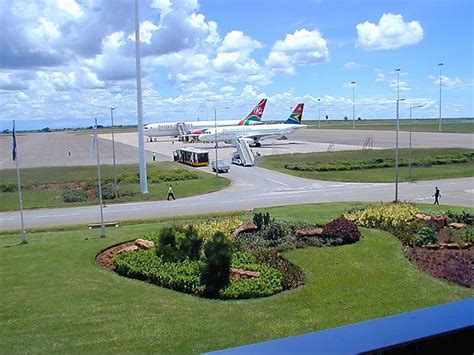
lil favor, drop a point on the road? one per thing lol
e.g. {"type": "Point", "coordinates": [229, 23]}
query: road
{"type": "Point", "coordinates": [251, 188]}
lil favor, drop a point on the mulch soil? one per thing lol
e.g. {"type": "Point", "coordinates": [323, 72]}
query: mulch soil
{"type": "Point", "coordinates": [105, 257]}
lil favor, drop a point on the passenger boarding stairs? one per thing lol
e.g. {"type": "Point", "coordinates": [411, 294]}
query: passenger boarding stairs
{"type": "Point", "coordinates": [181, 131]}
{"type": "Point", "coordinates": [246, 155]}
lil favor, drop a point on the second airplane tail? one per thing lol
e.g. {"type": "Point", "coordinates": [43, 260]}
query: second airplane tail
{"type": "Point", "coordinates": [296, 116]}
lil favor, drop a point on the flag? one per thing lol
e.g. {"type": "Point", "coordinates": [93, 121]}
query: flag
{"type": "Point", "coordinates": [14, 143]}
{"type": "Point", "coordinates": [94, 141]}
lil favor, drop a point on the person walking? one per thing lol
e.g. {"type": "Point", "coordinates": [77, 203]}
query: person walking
{"type": "Point", "coordinates": [436, 195]}
{"type": "Point", "coordinates": [170, 193]}
{"type": "Point", "coordinates": [154, 156]}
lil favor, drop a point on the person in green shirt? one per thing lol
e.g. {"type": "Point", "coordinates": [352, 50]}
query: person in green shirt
{"type": "Point", "coordinates": [170, 193]}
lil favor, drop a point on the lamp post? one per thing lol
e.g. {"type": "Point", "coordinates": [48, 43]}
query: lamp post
{"type": "Point", "coordinates": [319, 112]}
{"type": "Point", "coordinates": [409, 150]}
{"type": "Point", "coordinates": [113, 150]}
{"type": "Point", "coordinates": [353, 83]}
{"type": "Point", "coordinates": [141, 139]}
{"type": "Point", "coordinates": [215, 133]}
{"type": "Point", "coordinates": [439, 122]}
{"type": "Point", "coordinates": [397, 172]}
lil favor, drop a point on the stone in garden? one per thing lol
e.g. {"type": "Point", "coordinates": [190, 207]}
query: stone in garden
{"type": "Point", "coordinates": [236, 274]}
{"type": "Point", "coordinates": [128, 248]}
{"type": "Point", "coordinates": [453, 246]}
{"type": "Point", "coordinates": [310, 232]}
{"type": "Point", "coordinates": [457, 225]}
{"type": "Point", "coordinates": [245, 228]}
{"type": "Point", "coordinates": [144, 244]}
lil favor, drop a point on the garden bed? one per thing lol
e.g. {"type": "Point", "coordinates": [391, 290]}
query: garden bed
{"type": "Point", "coordinates": [438, 244]}
{"type": "Point", "coordinates": [223, 258]}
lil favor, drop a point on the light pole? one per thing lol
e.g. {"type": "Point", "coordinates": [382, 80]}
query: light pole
{"type": "Point", "coordinates": [215, 134]}
{"type": "Point", "coordinates": [141, 140]}
{"type": "Point", "coordinates": [397, 173]}
{"type": "Point", "coordinates": [113, 150]}
{"type": "Point", "coordinates": [409, 150]}
{"type": "Point", "coordinates": [353, 83]}
{"type": "Point", "coordinates": [439, 122]}
{"type": "Point", "coordinates": [319, 113]}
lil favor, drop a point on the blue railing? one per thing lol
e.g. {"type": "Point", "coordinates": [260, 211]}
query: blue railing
{"type": "Point", "coordinates": [449, 325]}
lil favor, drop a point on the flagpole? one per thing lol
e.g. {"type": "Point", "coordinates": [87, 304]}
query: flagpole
{"type": "Point", "coordinates": [20, 196]}
{"type": "Point", "coordinates": [96, 141]}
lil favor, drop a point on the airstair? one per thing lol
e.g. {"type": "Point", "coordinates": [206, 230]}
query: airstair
{"type": "Point", "coordinates": [182, 134]}
{"type": "Point", "coordinates": [368, 144]}
{"type": "Point", "coordinates": [245, 153]}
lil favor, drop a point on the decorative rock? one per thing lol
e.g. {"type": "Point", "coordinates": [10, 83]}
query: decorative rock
{"type": "Point", "coordinates": [457, 225]}
{"type": "Point", "coordinates": [466, 245]}
{"type": "Point", "coordinates": [144, 244]}
{"type": "Point", "coordinates": [128, 248]}
{"type": "Point", "coordinates": [236, 274]}
{"type": "Point", "coordinates": [453, 246]}
{"type": "Point", "coordinates": [245, 228]}
{"type": "Point", "coordinates": [431, 246]}
{"type": "Point", "coordinates": [309, 232]}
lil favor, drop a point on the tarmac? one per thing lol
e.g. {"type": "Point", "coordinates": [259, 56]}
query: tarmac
{"type": "Point", "coordinates": [52, 149]}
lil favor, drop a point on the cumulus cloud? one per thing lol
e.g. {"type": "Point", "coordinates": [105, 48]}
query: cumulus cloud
{"type": "Point", "coordinates": [391, 32]}
{"type": "Point", "coordinates": [448, 82]}
{"type": "Point", "coordinates": [302, 47]}
{"type": "Point", "coordinates": [353, 65]}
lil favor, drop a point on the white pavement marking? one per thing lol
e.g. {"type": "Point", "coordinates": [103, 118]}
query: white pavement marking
{"type": "Point", "coordinates": [277, 182]}
{"type": "Point", "coordinates": [469, 191]}
{"type": "Point", "coordinates": [57, 215]}
{"type": "Point", "coordinates": [7, 219]}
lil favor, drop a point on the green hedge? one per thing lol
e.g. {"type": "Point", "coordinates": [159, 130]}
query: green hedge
{"type": "Point", "coordinates": [159, 176]}
{"type": "Point", "coordinates": [344, 165]}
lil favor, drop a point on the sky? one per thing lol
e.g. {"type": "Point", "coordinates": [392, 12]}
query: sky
{"type": "Point", "coordinates": [65, 62]}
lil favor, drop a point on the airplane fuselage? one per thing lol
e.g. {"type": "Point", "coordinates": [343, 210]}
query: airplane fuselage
{"type": "Point", "coordinates": [171, 128]}
{"type": "Point", "coordinates": [228, 134]}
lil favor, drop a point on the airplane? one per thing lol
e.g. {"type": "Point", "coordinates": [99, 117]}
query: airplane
{"type": "Point", "coordinates": [254, 133]}
{"type": "Point", "coordinates": [197, 127]}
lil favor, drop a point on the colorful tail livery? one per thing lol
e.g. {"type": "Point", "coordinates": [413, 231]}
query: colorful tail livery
{"type": "Point", "coordinates": [255, 116]}
{"type": "Point", "coordinates": [296, 116]}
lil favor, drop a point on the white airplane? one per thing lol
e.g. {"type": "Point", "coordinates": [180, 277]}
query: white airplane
{"type": "Point", "coordinates": [197, 127]}
{"type": "Point", "coordinates": [254, 133]}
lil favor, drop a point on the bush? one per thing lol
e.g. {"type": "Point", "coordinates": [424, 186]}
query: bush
{"type": "Point", "coordinates": [173, 175]}
{"type": "Point", "coordinates": [292, 275]}
{"type": "Point", "coordinates": [108, 192]}
{"type": "Point", "coordinates": [8, 187]}
{"type": "Point", "coordinates": [129, 178]}
{"type": "Point", "coordinates": [184, 276]}
{"type": "Point", "coordinates": [261, 219]}
{"type": "Point", "coordinates": [388, 216]}
{"type": "Point", "coordinates": [227, 226]}
{"type": "Point", "coordinates": [71, 195]}
{"type": "Point", "coordinates": [342, 228]}
{"type": "Point", "coordinates": [215, 275]}
{"type": "Point", "coordinates": [425, 236]}
{"type": "Point", "coordinates": [168, 245]}
{"type": "Point", "coordinates": [461, 217]}
{"type": "Point", "coordinates": [191, 243]}
{"type": "Point", "coordinates": [269, 283]}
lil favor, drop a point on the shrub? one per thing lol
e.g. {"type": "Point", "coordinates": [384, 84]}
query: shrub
{"type": "Point", "coordinates": [71, 195]}
{"type": "Point", "coordinates": [184, 276]}
{"type": "Point", "coordinates": [227, 226]}
{"type": "Point", "coordinates": [108, 192]}
{"type": "Point", "coordinates": [387, 216]}
{"type": "Point", "coordinates": [167, 247]}
{"type": "Point", "coordinates": [129, 178]}
{"type": "Point", "coordinates": [292, 274]}
{"type": "Point", "coordinates": [269, 283]}
{"type": "Point", "coordinates": [173, 175]}
{"type": "Point", "coordinates": [425, 236]}
{"type": "Point", "coordinates": [461, 217]}
{"type": "Point", "coordinates": [215, 275]}
{"type": "Point", "coordinates": [261, 219]}
{"type": "Point", "coordinates": [191, 243]}
{"type": "Point", "coordinates": [342, 228]}
{"type": "Point", "coordinates": [8, 187]}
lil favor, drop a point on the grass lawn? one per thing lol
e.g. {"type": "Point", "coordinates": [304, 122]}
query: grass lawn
{"type": "Point", "coordinates": [277, 162]}
{"type": "Point", "coordinates": [53, 198]}
{"type": "Point", "coordinates": [56, 299]}
{"type": "Point", "coordinates": [448, 126]}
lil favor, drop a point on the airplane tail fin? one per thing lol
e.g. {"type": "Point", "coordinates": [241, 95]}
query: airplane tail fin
{"type": "Point", "coordinates": [296, 116]}
{"type": "Point", "coordinates": [255, 116]}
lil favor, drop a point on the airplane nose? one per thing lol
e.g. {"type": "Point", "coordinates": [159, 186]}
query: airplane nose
{"type": "Point", "coordinates": [202, 137]}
